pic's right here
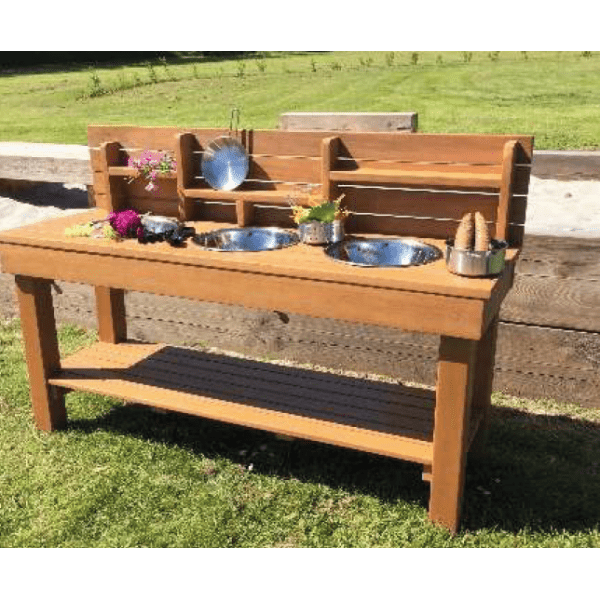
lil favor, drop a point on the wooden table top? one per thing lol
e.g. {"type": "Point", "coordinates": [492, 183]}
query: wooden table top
{"type": "Point", "coordinates": [300, 261]}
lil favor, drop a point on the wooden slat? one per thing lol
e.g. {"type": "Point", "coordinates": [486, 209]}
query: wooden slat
{"type": "Point", "coordinates": [275, 168]}
{"type": "Point", "coordinates": [244, 211]}
{"type": "Point", "coordinates": [441, 204]}
{"type": "Point", "coordinates": [184, 154]}
{"type": "Point", "coordinates": [329, 150]}
{"type": "Point", "coordinates": [148, 138]}
{"type": "Point", "coordinates": [464, 179]}
{"type": "Point", "coordinates": [266, 196]}
{"type": "Point", "coordinates": [357, 164]}
{"type": "Point", "coordinates": [366, 225]}
{"type": "Point", "coordinates": [131, 172]}
{"type": "Point", "coordinates": [480, 149]}
{"type": "Point", "coordinates": [158, 206]}
{"type": "Point", "coordinates": [509, 158]}
{"type": "Point", "coordinates": [91, 370]}
{"type": "Point", "coordinates": [115, 197]}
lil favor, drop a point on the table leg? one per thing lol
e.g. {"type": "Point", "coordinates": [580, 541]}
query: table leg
{"type": "Point", "coordinates": [41, 351]}
{"type": "Point", "coordinates": [110, 309]}
{"type": "Point", "coordinates": [456, 366]}
{"type": "Point", "coordinates": [482, 388]}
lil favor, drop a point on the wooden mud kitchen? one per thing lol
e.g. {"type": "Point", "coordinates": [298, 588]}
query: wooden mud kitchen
{"type": "Point", "coordinates": [395, 185]}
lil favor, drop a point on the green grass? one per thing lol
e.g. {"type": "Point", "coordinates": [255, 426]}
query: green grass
{"type": "Point", "coordinates": [551, 95]}
{"type": "Point", "coordinates": [125, 476]}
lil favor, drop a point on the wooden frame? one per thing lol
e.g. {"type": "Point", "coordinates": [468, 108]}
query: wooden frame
{"type": "Point", "coordinates": [436, 430]}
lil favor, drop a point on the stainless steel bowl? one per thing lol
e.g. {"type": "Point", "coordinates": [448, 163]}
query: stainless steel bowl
{"type": "Point", "coordinates": [384, 252]}
{"type": "Point", "coordinates": [247, 239]}
{"type": "Point", "coordinates": [476, 263]}
{"type": "Point", "coordinates": [224, 163]}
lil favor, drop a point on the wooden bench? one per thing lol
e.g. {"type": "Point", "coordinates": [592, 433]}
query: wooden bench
{"type": "Point", "coordinates": [396, 184]}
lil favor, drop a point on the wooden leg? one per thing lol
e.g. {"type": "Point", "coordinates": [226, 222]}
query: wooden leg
{"type": "Point", "coordinates": [482, 387]}
{"type": "Point", "coordinates": [41, 351]}
{"type": "Point", "coordinates": [451, 429]}
{"type": "Point", "coordinates": [110, 307]}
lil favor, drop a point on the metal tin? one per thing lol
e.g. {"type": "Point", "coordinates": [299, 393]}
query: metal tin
{"type": "Point", "coordinates": [247, 239]}
{"type": "Point", "coordinates": [383, 252]}
{"type": "Point", "coordinates": [476, 263]}
{"type": "Point", "coordinates": [158, 224]}
{"type": "Point", "coordinates": [225, 163]}
{"type": "Point", "coordinates": [316, 233]}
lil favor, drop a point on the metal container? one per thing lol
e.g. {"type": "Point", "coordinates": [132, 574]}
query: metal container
{"type": "Point", "coordinates": [383, 252]}
{"type": "Point", "coordinates": [476, 263]}
{"type": "Point", "coordinates": [317, 233]}
{"type": "Point", "coordinates": [158, 224]}
{"type": "Point", "coordinates": [247, 239]}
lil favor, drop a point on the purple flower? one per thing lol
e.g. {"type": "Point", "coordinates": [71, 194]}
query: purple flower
{"type": "Point", "coordinates": [125, 222]}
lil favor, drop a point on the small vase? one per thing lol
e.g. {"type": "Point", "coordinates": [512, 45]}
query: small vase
{"type": "Point", "coordinates": [317, 233]}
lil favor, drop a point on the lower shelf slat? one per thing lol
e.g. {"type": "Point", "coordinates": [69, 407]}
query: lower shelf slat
{"type": "Point", "coordinates": [383, 418]}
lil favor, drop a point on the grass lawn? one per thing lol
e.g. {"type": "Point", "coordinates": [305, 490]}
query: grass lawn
{"type": "Point", "coordinates": [125, 476]}
{"type": "Point", "coordinates": [551, 95]}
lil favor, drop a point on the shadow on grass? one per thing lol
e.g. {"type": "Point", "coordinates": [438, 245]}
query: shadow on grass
{"type": "Point", "coordinates": [540, 473]}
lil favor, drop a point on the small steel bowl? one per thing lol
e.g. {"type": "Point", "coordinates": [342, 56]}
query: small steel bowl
{"type": "Point", "coordinates": [476, 263]}
{"type": "Point", "coordinates": [317, 233]}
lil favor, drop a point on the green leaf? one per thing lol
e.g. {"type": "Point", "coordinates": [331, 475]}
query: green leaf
{"type": "Point", "coordinates": [324, 213]}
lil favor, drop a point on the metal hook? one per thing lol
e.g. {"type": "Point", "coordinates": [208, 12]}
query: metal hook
{"type": "Point", "coordinates": [234, 111]}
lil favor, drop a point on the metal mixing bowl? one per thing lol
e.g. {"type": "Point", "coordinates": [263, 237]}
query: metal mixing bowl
{"type": "Point", "coordinates": [384, 252]}
{"type": "Point", "coordinates": [247, 239]}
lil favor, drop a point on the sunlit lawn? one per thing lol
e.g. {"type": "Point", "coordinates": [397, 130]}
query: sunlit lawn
{"type": "Point", "coordinates": [551, 95]}
{"type": "Point", "coordinates": [123, 475]}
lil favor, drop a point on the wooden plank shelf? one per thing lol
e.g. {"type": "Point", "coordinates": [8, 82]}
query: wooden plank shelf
{"type": "Point", "coordinates": [275, 197]}
{"type": "Point", "coordinates": [467, 179]}
{"type": "Point", "coordinates": [120, 171]}
{"type": "Point", "coordinates": [378, 417]}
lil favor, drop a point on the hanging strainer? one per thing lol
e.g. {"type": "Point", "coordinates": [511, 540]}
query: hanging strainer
{"type": "Point", "coordinates": [225, 161]}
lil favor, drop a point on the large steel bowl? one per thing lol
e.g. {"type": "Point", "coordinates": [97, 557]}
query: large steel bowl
{"type": "Point", "coordinates": [247, 239]}
{"type": "Point", "coordinates": [383, 252]}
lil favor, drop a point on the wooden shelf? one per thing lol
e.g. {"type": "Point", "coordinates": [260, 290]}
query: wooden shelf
{"type": "Point", "coordinates": [426, 177]}
{"type": "Point", "coordinates": [383, 418]}
{"type": "Point", "coordinates": [275, 197]}
{"type": "Point", "coordinates": [131, 172]}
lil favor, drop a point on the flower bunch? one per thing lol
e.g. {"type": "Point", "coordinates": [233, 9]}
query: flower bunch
{"type": "Point", "coordinates": [150, 164]}
{"type": "Point", "coordinates": [126, 223]}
